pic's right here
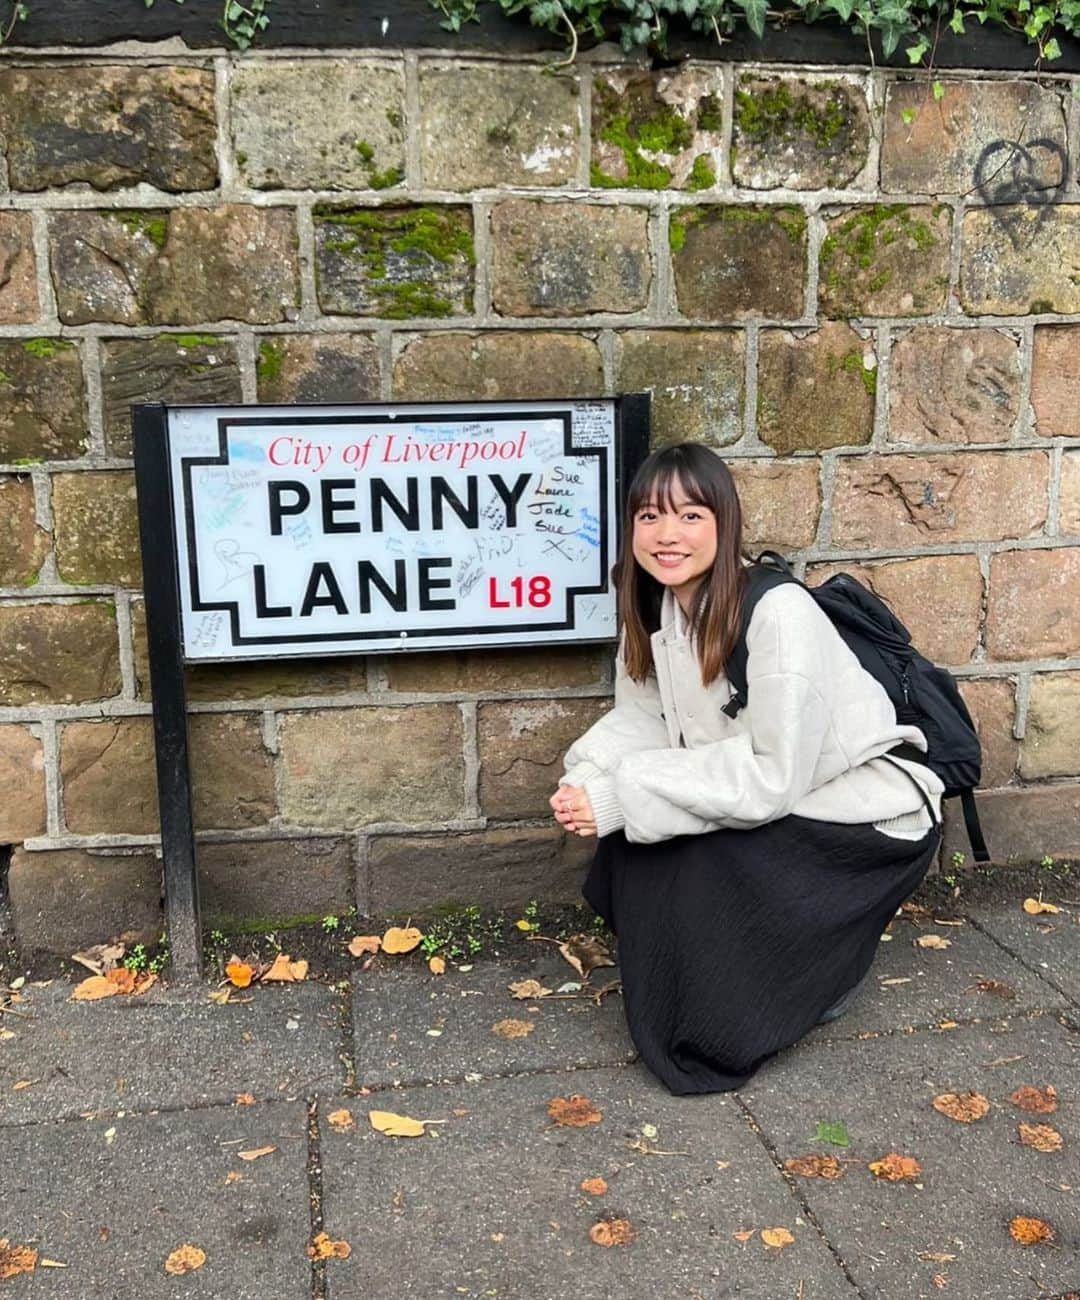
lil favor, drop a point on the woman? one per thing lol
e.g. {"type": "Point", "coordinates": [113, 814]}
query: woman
{"type": "Point", "coordinates": [748, 865]}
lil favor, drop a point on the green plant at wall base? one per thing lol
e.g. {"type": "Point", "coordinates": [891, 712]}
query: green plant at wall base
{"type": "Point", "coordinates": [645, 23]}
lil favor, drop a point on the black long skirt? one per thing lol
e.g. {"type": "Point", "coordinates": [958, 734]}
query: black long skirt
{"type": "Point", "coordinates": [731, 945]}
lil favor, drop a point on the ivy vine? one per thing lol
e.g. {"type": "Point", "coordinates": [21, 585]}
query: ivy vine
{"type": "Point", "coordinates": [241, 22]}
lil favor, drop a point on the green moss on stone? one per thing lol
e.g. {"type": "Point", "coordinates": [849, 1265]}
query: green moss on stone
{"type": "Point", "coordinates": [156, 229]}
{"type": "Point", "coordinates": [365, 150]}
{"type": "Point", "coordinates": [385, 179]}
{"type": "Point", "coordinates": [709, 115]}
{"type": "Point", "coordinates": [43, 349]}
{"type": "Point", "coordinates": [861, 237]}
{"type": "Point", "coordinates": [660, 130]}
{"type": "Point", "coordinates": [681, 222]}
{"type": "Point", "coordinates": [775, 115]}
{"type": "Point", "coordinates": [31, 579]}
{"type": "Point", "coordinates": [270, 362]}
{"type": "Point", "coordinates": [852, 363]}
{"type": "Point", "coordinates": [191, 341]}
{"type": "Point", "coordinates": [702, 176]}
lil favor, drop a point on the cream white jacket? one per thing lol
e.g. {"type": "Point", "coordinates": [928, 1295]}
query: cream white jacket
{"type": "Point", "coordinates": [666, 761]}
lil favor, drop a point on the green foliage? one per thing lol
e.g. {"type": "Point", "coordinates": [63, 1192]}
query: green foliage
{"type": "Point", "coordinates": [637, 23]}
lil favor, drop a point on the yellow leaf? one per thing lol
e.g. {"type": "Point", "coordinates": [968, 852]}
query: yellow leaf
{"type": "Point", "coordinates": [398, 939]}
{"type": "Point", "coordinates": [323, 1248]}
{"type": "Point", "coordinates": [341, 1120]}
{"type": "Point", "coordinates": [255, 1154]}
{"type": "Point", "coordinates": [528, 989]}
{"type": "Point", "coordinates": [185, 1259]}
{"type": "Point", "coordinates": [437, 965]}
{"type": "Point", "coordinates": [513, 1028]}
{"type": "Point", "coordinates": [94, 987]}
{"type": "Point", "coordinates": [964, 1107]}
{"type": "Point", "coordinates": [523, 925]}
{"type": "Point", "coordinates": [285, 970]}
{"type": "Point", "coordinates": [1036, 907]}
{"type": "Point", "coordinates": [1030, 1232]}
{"type": "Point", "coordinates": [239, 973]}
{"type": "Point", "coordinates": [364, 943]}
{"type": "Point", "coordinates": [385, 1121]}
{"type": "Point", "coordinates": [22, 1083]}
{"type": "Point", "coordinates": [16, 1259]}
{"type": "Point", "coordinates": [1040, 1136]}
{"type": "Point", "coordinates": [933, 941]}
{"type": "Point", "coordinates": [220, 996]}
{"type": "Point", "coordinates": [778, 1238]}
{"type": "Point", "coordinates": [612, 1232]}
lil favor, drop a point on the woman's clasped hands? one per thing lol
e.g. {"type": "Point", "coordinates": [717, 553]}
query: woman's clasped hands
{"type": "Point", "coordinates": [573, 811]}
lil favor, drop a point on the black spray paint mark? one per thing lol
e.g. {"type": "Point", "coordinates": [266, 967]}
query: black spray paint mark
{"type": "Point", "coordinates": [1008, 178]}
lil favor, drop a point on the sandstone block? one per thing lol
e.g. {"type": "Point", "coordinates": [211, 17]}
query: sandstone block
{"type": "Point", "coordinates": [23, 545]}
{"type": "Point", "coordinates": [781, 502]}
{"type": "Point", "coordinates": [954, 386]}
{"type": "Point", "coordinates": [799, 133]}
{"type": "Point", "coordinates": [886, 260]}
{"type": "Point", "coordinates": [937, 597]}
{"type": "Point", "coordinates": [58, 654]}
{"type": "Point", "coordinates": [569, 259]}
{"type": "Point", "coordinates": [64, 900]}
{"type": "Point", "coordinates": [521, 127]}
{"type": "Point", "coordinates": [965, 139]}
{"type": "Point", "coordinates": [696, 381]}
{"type": "Point", "coordinates": [181, 369]}
{"type": "Point", "coordinates": [1016, 261]}
{"type": "Point", "coordinates": [345, 768]}
{"type": "Point", "coordinates": [319, 124]}
{"type": "Point", "coordinates": [655, 130]}
{"type": "Point", "coordinates": [522, 743]}
{"type": "Point", "coordinates": [992, 704]}
{"type": "Point", "coordinates": [176, 267]}
{"type": "Point", "coordinates": [504, 868]}
{"type": "Point", "coordinates": [42, 403]}
{"type": "Point", "coordinates": [732, 263]}
{"type": "Point", "coordinates": [18, 275]}
{"type": "Point", "coordinates": [395, 262]}
{"type": "Point", "coordinates": [484, 671]}
{"type": "Point", "coordinates": [816, 391]}
{"type": "Point", "coordinates": [109, 783]}
{"type": "Point", "coordinates": [1032, 611]}
{"type": "Point", "coordinates": [96, 524]}
{"type": "Point", "coordinates": [1020, 825]}
{"type": "Point", "coordinates": [1055, 381]}
{"type": "Point", "coordinates": [22, 784]}
{"type": "Point", "coordinates": [317, 368]}
{"type": "Point", "coordinates": [274, 882]}
{"type": "Point", "coordinates": [1070, 493]}
{"type": "Point", "coordinates": [109, 126]}
{"type": "Point", "coordinates": [1051, 744]}
{"type": "Point", "coordinates": [490, 366]}
{"type": "Point", "coordinates": [898, 501]}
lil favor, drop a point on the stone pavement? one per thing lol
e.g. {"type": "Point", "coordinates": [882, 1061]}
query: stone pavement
{"type": "Point", "coordinates": [127, 1141]}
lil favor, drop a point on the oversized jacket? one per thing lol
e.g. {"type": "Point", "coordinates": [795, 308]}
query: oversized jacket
{"type": "Point", "coordinates": [666, 761]}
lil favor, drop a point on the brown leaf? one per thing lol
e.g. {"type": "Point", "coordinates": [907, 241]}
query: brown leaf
{"type": "Point", "coordinates": [401, 939]}
{"type": "Point", "coordinates": [1036, 1101]}
{"type": "Point", "coordinates": [16, 1259]}
{"type": "Point", "coordinates": [612, 1232]}
{"type": "Point", "coordinates": [93, 988]}
{"type": "Point", "coordinates": [964, 1107]}
{"type": "Point", "coordinates": [528, 989]}
{"type": "Point", "coordinates": [121, 979]}
{"type": "Point", "coordinates": [341, 1120]}
{"type": "Point", "coordinates": [1036, 907]}
{"type": "Point", "coordinates": [594, 1186]}
{"type": "Point", "coordinates": [585, 953]}
{"type": "Point", "coordinates": [101, 957]}
{"type": "Point", "coordinates": [185, 1259]}
{"type": "Point", "coordinates": [233, 1176]}
{"type": "Point", "coordinates": [239, 973]}
{"type": "Point", "coordinates": [243, 1099]}
{"type": "Point", "coordinates": [143, 982]}
{"type": "Point", "coordinates": [815, 1167]}
{"type": "Point", "coordinates": [437, 965]}
{"type": "Point", "coordinates": [996, 987]}
{"type": "Point", "coordinates": [255, 1153]}
{"type": "Point", "coordinates": [20, 1084]}
{"type": "Point", "coordinates": [743, 1236]}
{"type": "Point", "coordinates": [933, 941]}
{"type": "Point", "coordinates": [895, 1168]}
{"type": "Point", "coordinates": [285, 970]}
{"type": "Point", "coordinates": [323, 1248]}
{"type": "Point", "coordinates": [1030, 1232]}
{"type": "Point", "coordinates": [1040, 1136]}
{"type": "Point", "coordinates": [777, 1238]}
{"type": "Point", "coordinates": [513, 1028]}
{"type": "Point", "coordinates": [364, 943]}
{"type": "Point", "coordinates": [574, 1111]}
{"type": "Point", "coordinates": [940, 1281]}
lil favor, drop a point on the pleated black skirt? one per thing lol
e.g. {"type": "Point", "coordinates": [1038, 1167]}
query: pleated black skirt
{"type": "Point", "coordinates": [731, 945]}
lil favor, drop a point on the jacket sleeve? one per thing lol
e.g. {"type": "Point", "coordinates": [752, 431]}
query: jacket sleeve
{"type": "Point", "coordinates": [763, 769]}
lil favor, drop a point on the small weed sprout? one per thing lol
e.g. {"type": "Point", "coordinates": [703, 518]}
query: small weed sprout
{"type": "Point", "coordinates": [330, 923]}
{"type": "Point", "coordinates": [957, 860]}
{"type": "Point", "coordinates": [1046, 860]}
{"type": "Point", "coordinates": [136, 960]}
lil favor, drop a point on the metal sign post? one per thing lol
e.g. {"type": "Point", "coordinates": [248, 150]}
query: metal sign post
{"type": "Point", "coordinates": [272, 532]}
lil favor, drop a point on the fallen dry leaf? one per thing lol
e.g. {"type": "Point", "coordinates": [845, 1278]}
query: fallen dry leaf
{"type": "Point", "coordinates": [437, 965]}
{"type": "Point", "coordinates": [143, 982]}
{"type": "Point", "coordinates": [101, 957]}
{"type": "Point", "coordinates": [220, 996]}
{"type": "Point", "coordinates": [996, 987]}
{"type": "Point", "coordinates": [574, 1111]}
{"type": "Point", "coordinates": [612, 1232]}
{"type": "Point", "coordinates": [1036, 1101]}
{"type": "Point", "coordinates": [933, 941]}
{"type": "Point", "coordinates": [594, 1186]}
{"type": "Point", "coordinates": [233, 1176]}
{"type": "Point", "coordinates": [364, 943]}
{"type": "Point", "coordinates": [1040, 1136]}
{"type": "Point", "coordinates": [513, 1028]}
{"type": "Point", "coordinates": [341, 1120]}
{"type": "Point", "coordinates": [895, 1168]}
{"type": "Point", "coordinates": [243, 1099]}
{"type": "Point", "coordinates": [121, 979]}
{"type": "Point", "coordinates": [1036, 907]}
{"type": "Point", "coordinates": [401, 939]}
{"type": "Point", "coordinates": [255, 1154]}
{"type": "Point", "coordinates": [964, 1107]}
{"type": "Point", "coordinates": [323, 1248]}
{"type": "Point", "coordinates": [93, 988]}
{"type": "Point", "coordinates": [385, 1121]}
{"type": "Point", "coordinates": [743, 1236]}
{"type": "Point", "coordinates": [815, 1167]}
{"type": "Point", "coordinates": [777, 1238]}
{"type": "Point", "coordinates": [936, 1257]}
{"type": "Point", "coordinates": [239, 973]}
{"type": "Point", "coordinates": [285, 970]}
{"type": "Point", "coordinates": [1030, 1232]}
{"type": "Point", "coordinates": [585, 953]}
{"type": "Point", "coordinates": [528, 989]}
{"type": "Point", "coordinates": [16, 1259]}
{"type": "Point", "coordinates": [185, 1259]}
{"type": "Point", "coordinates": [20, 1084]}
{"type": "Point", "coordinates": [940, 1281]}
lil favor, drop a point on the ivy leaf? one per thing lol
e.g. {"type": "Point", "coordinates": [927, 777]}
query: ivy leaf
{"type": "Point", "coordinates": [1052, 50]}
{"type": "Point", "coordinates": [755, 16]}
{"type": "Point", "coordinates": [837, 1134]}
{"type": "Point", "coordinates": [938, 90]}
{"type": "Point", "coordinates": [956, 22]}
{"type": "Point", "coordinates": [908, 115]}
{"type": "Point", "coordinates": [915, 52]}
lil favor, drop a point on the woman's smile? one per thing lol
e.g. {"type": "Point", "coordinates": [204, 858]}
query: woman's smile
{"type": "Point", "coordinates": [675, 543]}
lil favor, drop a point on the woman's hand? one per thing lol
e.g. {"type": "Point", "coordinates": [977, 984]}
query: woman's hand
{"type": "Point", "coordinates": [573, 811]}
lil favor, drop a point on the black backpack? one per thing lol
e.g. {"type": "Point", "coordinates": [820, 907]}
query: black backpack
{"type": "Point", "coordinates": [923, 695]}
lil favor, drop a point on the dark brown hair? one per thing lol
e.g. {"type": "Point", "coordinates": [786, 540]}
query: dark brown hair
{"type": "Point", "coordinates": [714, 620]}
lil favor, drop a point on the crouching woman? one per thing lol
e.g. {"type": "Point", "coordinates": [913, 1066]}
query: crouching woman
{"type": "Point", "coordinates": [747, 864]}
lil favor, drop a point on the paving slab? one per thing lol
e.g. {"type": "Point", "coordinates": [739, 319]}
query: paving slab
{"type": "Point", "coordinates": [493, 1207]}
{"type": "Point", "coordinates": [953, 1223]}
{"type": "Point", "coordinates": [165, 1049]}
{"type": "Point", "coordinates": [1050, 944]}
{"type": "Point", "coordinates": [111, 1199]}
{"type": "Point", "coordinates": [410, 1025]}
{"type": "Point", "coordinates": [920, 987]}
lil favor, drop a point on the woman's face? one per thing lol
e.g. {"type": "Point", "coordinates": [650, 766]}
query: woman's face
{"type": "Point", "coordinates": [675, 546]}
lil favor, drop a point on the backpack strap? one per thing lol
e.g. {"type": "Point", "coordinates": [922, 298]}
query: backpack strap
{"type": "Point", "coordinates": [769, 570]}
{"type": "Point", "coordinates": [974, 830]}
{"type": "Point", "coordinates": [934, 818]}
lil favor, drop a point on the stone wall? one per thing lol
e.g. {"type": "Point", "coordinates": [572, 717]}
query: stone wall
{"type": "Point", "coordinates": [862, 293]}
